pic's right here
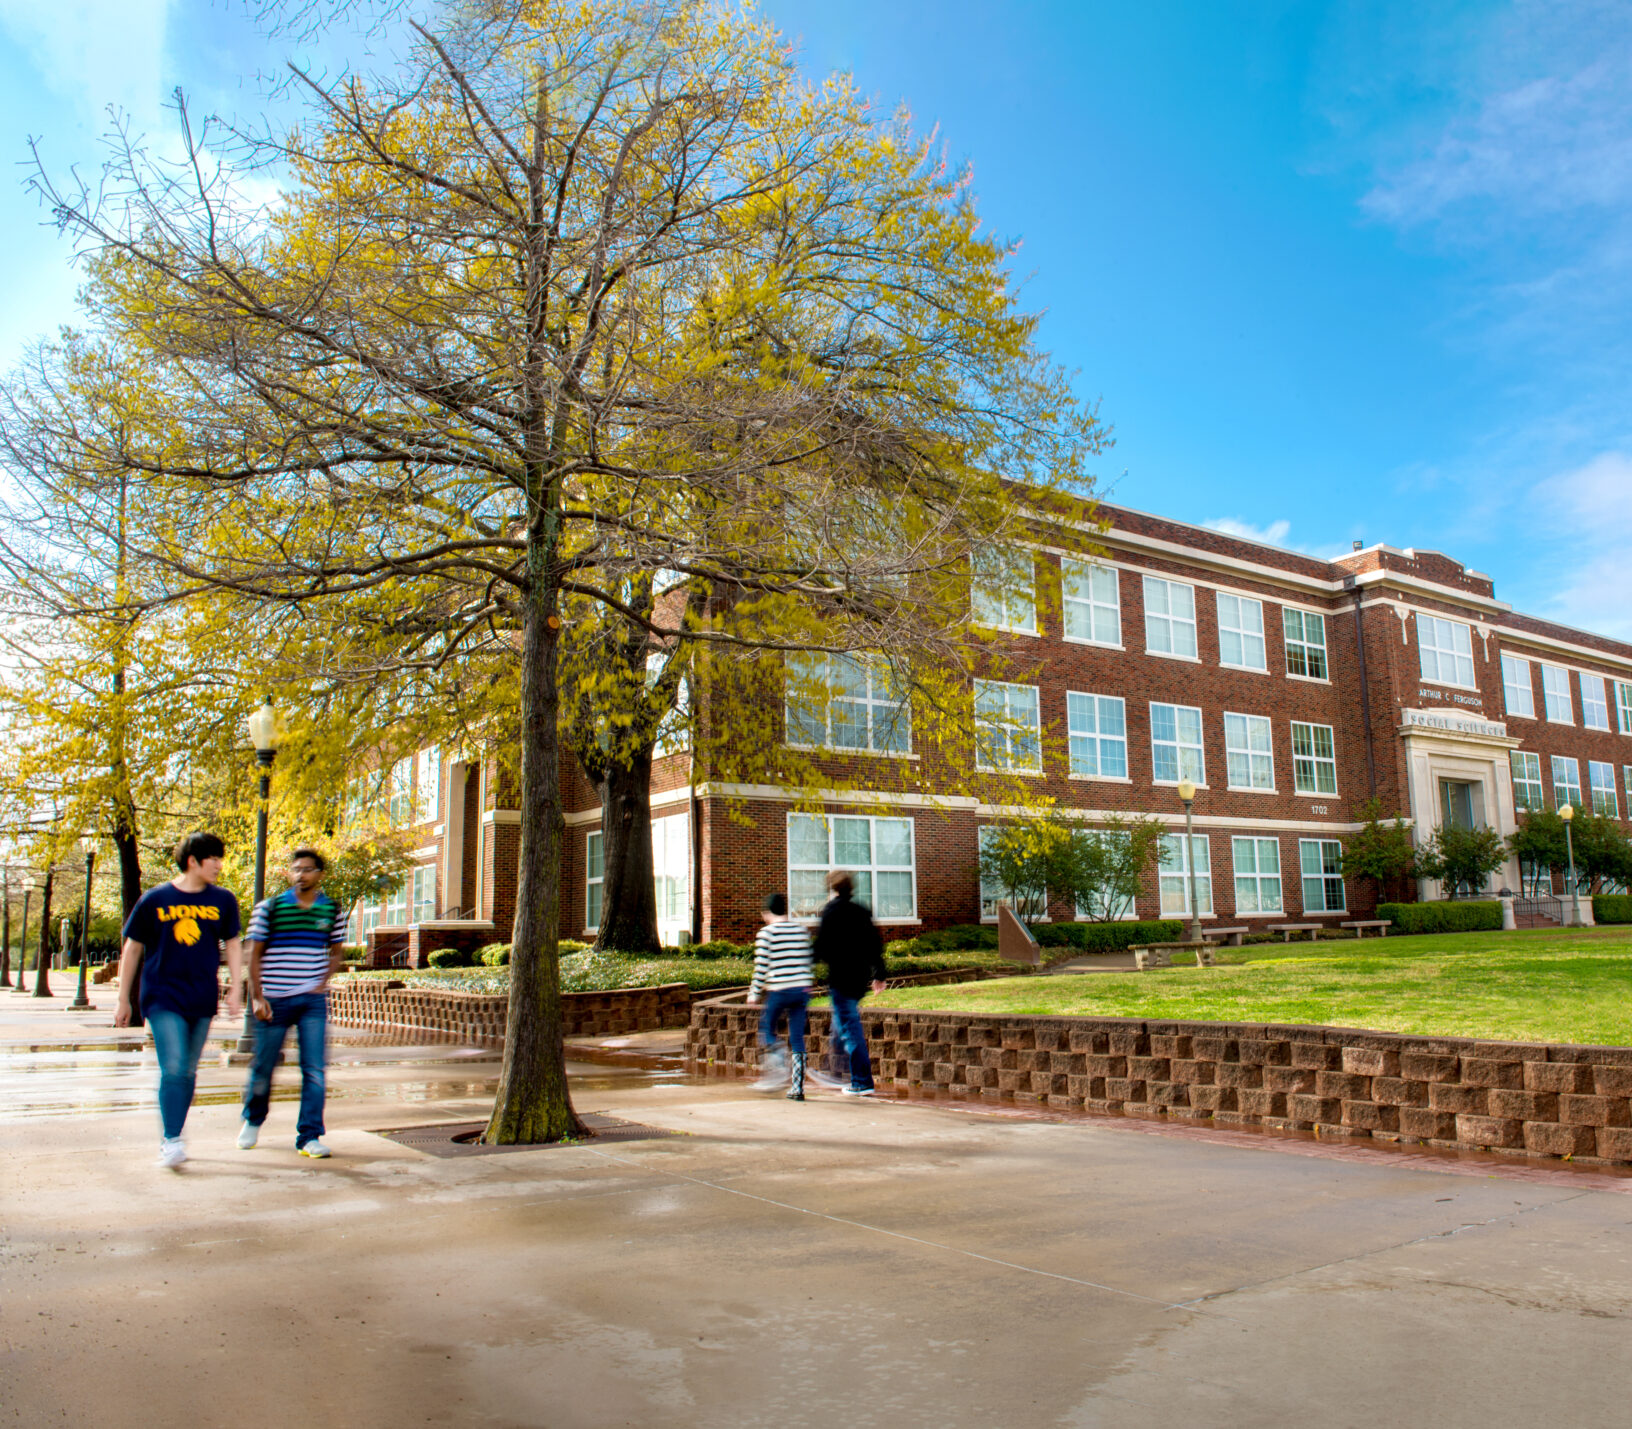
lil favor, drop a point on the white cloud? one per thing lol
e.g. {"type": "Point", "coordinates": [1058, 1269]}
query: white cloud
{"type": "Point", "coordinates": [1588, 514]}
{"type": "Point", "coordinates": [95, 52]}
{"type": "Point", "coordinates": [1274, 534]}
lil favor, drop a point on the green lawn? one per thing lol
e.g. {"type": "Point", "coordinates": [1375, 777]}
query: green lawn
{"type": "Point", "coordinates": [1527, 986]}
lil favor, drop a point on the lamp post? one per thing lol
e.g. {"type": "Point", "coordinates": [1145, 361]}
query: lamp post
{"type": "Point", "coordinates": [1187, 797]}
{"type": "Point", "coordinates": [1567, 813]}
{"type": "Point", "coordinates": [22, 943]}
{"type": "Point", "coordinates": [88, 847]}
{"type": "Point", "coordinates": [263, 734]}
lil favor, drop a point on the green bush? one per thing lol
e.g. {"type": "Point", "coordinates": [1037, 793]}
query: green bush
{"type": "Point", "coordinates": [961, 937]}
{"type": "Point", "coordinates": [714, 948]}
{"type": "Point", "coordinates": [449, 958]}
{"type": "Point", "coordinates": [354, 952]}
{"type": "Point", "coordinates": [1447, 917]}
{"type": "Point", "coordinates": [570, 945]}
{"type": "Point", "coordinates": [1107, 937]}
{"type": "Point", "coordinates": [494, 955]}
{"type": "Point", "coordinates": [1612, 908]}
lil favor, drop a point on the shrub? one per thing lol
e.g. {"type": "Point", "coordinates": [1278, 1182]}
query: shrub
{"type": "Point", "coordinates": [960, 938]}
{"type": "Point", "coordinates": [1612, 908]}
{"type": "Point", "coordinates": [494, 955]}
{"type": "Point", "coordinates": [715, 948]}
{"type": "Point", "coordinates": [354, 952]}
{"type": "Point", "coordinates": [1450, 917]}
{"type": "Point", "coordinates": [449, 958]}
{"type": "Point", "coordinates": [1107, 937]}
{"type": "Point", "coordinates": [570, 945]}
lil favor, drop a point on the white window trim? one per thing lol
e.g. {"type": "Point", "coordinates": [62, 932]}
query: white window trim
{"type": "Point", "coordinates": [873, 868]}
{"type": "Point", "coordinates": [1623, 705]}
{"type": "Point", "coordinates": [1116, 575]}
{"type": "Point", "coordinates": [1263, 632]}
{"type": "Point", "coordinates": [1530, 684]}
{"type": "Point", "coordinates": [1258, 878]}
{"type": "Point", "coordinates": [1028, 773]}
{"type": "Point", "coordinates": [1592, 789]}
{"type": "Point", "coordinates": [1194, 622]}
{"type": "Point", "coordinates": [840, 750]}
{"type": "Point", "coordinates": [1569, 697]}
{"type": "Point", "coordinates": [1341, 882]}
{"type": "Point", "coordinates": [1575, 782]}
{"type": "Point", "coordinates": [589, 882]}
{"type": "Point", "coordinates": [1249, 788]}
{"type": "Point", "coordinates": [1608, 726]}
{"type": "Point", "coordinates": [1473, 683]}
{"type": "Point", "coordinates": [1201, 783]}
{"type": "Point", "coordinates": [1539, 782]}
{"type": "Point", "coordinates": [1326, 650]}
{"type": "Point", "coordinates": [1293, 738]}
{"type": "Point", "coordinates": [1127, 761]}
{"type": "Point", "coordinates": [1035, 628]}
{"type": "Point", "coordinates": [1184, 873]}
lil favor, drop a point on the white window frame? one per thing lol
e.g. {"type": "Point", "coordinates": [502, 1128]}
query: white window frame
{"type": "Point", "coordinates": [428, 784]}
{"type": "Point", "coordinates": [674, 729]}
{"type": "Point", "coordinates": [364, 921]}
{"type": "Point", "coordinates": [1594, 701]}
{"type": "Point", "coordinates": [1173, 882]}
{"type": "Point", "coordinates": [991, 895]}
{"type": "Point", "coordinates": [1128, 910]}
{"type": "Point", "coordinates": [1168, 624]}
{"type": "Point", "coordinates": [888, 715]}
{"type": "Point", "coordinates": [1307, 767]}
{"type": "Point", "coordinates": [1518, 686]}
{"type": "Point", "coordinates": [1179, 746]}
{"type": "Point", "coordinates": [671, 874]}
{"type": "Point", "coordinates": [422, 908]}
{"type": "Point", "coordinates": [1089, 604]}
{"type": "Point", "coordinates": [396, 907]}
{"type": "Point", "coordinates": [1254, 849]}
{"type": "Point", "coordinates": [1626, 774]}
{"type": "Point", "coordinates": [1555, 694]}
{"type": "Point", "coordinates": [865, 874]}
{"type": "Point", "coordinates": [1566, 793]}
{"type": "Point", "coordinates": [1012, 731]}
{"type": "Point", "coordinates": [1304, 645]}
{"type": "Point", "coordinates": [1623, 706]}
{"type": "Point", "coordinates": [399, 784]}
{"type": "Point", "coordinates": [1236, 616]}
{"type": "Point", "coordinates": [1085, 716]}
{"type": "Point", "coordinates": [594, 906]}
{"type": "Point", "coordinates": [1526, 769]}
{"type": "Point", "coordinates": [1442, 646]}
{"type": "Point", "coordinates": [1325, 875]}
{"type": "Point", "coordinates": [1003, 589]}
{"type": "Point", "coordinates": [1602, 790]}
{"type": "Point", "coordinates": [1258, 751]}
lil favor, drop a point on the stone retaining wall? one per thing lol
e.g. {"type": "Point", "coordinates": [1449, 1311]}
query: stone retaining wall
{"type": "Point", "coordinates": [479, 1017]}
{"type": "Point", "coordinates": [1514, 1097]}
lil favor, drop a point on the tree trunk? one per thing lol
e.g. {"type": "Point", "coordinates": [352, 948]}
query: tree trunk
{"type": "Point", "coordinates": [130, 867]}
{"type": "Point", "coordinates": [5, 942]}
{"type": "Point", "coordinates": [42, 955]}
{"type": "Point", "coordinates": [628, 894]}
{"type": "Point", "coordinates": [533, 1102]}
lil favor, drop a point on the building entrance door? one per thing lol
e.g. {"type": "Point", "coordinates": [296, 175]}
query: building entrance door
{"type": "Point", "coordinates": [1457, 804]}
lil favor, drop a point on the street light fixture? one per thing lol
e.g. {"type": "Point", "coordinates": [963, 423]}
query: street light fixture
{"type": "Point", "coordinates": [263, 734]}
{"type": "Point", "coordinates": [1187, 797]}
{"type": "Point", "coordinates": [87, 846]}
{"type": "Point", "coordinates": [1567, 813]}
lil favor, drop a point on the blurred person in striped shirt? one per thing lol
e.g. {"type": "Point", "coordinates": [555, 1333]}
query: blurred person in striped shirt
{"type": "Point", "coordinates": [294, 942]}
{"type": "Point", "coordinates": [782, 976]}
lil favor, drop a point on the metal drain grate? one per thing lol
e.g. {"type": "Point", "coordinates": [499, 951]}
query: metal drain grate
{"type": "Point", "coordinates": [458, 1138]}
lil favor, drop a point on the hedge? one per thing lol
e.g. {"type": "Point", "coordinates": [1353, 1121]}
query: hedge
{"type": "Point", "coordinates": [1612, 908]}
{"type": "Point", "coordinates": [1108, 937]}
{"type": "Point", "coordinates": [449, 958]}
{"type": "Point", "coordinates": [1449, 917]}
{"type": "Point", "coordinates": [493, 955]}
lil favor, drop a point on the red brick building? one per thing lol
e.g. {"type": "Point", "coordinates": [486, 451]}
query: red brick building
{"type": "Point", "coordinates": [1289, 689]}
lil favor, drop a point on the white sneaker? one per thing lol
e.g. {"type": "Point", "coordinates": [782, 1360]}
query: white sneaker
{"type": "Point", "coordinates": [859, 1092]}
{"type": "Point", "coordinates": [248, 1135]}
{"type": "Point", "coordinates": [315, 1148]}
{"type": "Point", "coordinates": [172, 1152]}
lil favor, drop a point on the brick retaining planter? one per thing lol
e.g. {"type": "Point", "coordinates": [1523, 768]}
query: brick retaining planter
{"type": "Point", "coordinates": [1514, 1097]}
{"type": "Point", "coordinates": [479, 1017]}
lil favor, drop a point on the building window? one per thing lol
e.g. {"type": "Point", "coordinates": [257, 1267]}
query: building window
{"type": "Point", "coordinates": [1623, 705]}
{"type": "Point", "coordinates": [1555, 694]}
{"type": "Point", "coordinates": [1170, 618]}
{"type": "Point", "coordinates": [674, 728]}
{"type": "Point", "coordinates": [364, 921]}
{"type": "Point", "coordinates": [671, 875]}
{"type": "Point", "coordinates": [1257, 875]}
{"type": "Point", "coordinates": [876, 852]}
{"type": "Point", "coordinates": [1321, 863]}
{"type": "Point", "coordinates": [1093, 602]}
{"type": "Point", "coordinates": [1174, 876]}
{"type": "Point", "coordinates": [1241, 632]}
{"type": "Point", "coordinates": [1314, 759]}
{"type": "Point", "coordinates": [846, 702]}
{"type": "Point", "coordinates": [424, 890]}
{"type": "Point", "coordinates": [1029, 904]}
{"type": "Point", "coordinates": [1446, 650]}
{"type": "Point", "coordinates": [1108, 906]}
{"type": "Point", "coordinates": [1305, 643]}
{"type": "Point", "coordinates": [1008, 727]}
{"type": "Point", "coordinates": [1518, 694]}
{"type": "Point", "coordinates": [1594, 706]}
{"type": "Point", "coordinates": [1005, 589]}
{"type": "Point", "coordinates": [1249, 757]}
{"type": "Point", "coordinates": [1566, 783]}
{"type": "Point", "coordinates": [400, 792]}
{"type": "Point", "coordinates": [594, 879]}
{"type": "Point", "coordinates": [1175, 744]}
{"type": "Point", "coordinates": [428, 784]}
{"type": "Point", "coordinates": [1099, 735]}
{"type": "Point", "coordinates": [1626, 774]}
{"type": "Point", "coordinates": [396, 907]}
{"type": "Point", "coordinates": [1527, 781]}
{"type": "Point", "coordinates": [1601, 780]}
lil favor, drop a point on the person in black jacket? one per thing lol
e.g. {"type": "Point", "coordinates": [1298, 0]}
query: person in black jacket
{"type": "Point", "coordinates": [847, 940]}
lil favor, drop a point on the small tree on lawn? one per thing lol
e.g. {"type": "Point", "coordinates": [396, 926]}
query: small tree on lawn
{"type": "Point", "coordinates": [1379, 851]}
{"type": "Point", "coordinates": [1461, 859]}
{"type": "Point", "coordinates": [1539, 847]}
{"type": "Point", "coordinates": [1097, 871]}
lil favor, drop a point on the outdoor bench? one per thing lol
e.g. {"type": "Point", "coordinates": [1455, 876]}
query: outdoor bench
{"type": "Point", "coordinates": [1160, 955]}
{"type": "Point", "coordinates": [1382, 925]}
{"type": "Point", "coordinates": [1231, 937]}
{"type": "Point", "coordinates": [1286, 930]}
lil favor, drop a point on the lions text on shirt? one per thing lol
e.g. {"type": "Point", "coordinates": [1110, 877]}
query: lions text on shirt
{"type": "Point", "coordinates": [298, 942]}
{"type": "Point", "coordinates": [781, 957]}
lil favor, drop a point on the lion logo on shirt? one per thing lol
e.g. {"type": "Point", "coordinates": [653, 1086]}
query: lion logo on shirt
{"type": "Point", "coordinates": [185, 932]}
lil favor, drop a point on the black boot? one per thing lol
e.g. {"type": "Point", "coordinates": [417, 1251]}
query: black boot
{"type": "Point", "coordinates": [796, 1092]}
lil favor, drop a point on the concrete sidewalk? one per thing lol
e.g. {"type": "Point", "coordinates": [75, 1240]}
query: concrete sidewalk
{"type": "Point", "coordinates": [836, 1262]}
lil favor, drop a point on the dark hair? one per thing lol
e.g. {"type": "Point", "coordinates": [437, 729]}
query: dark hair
{"type": "Point", "coordinates": [199, 845]}
{"type": "Point", "coordinates": [311, 853]}
{"type": "Point", "coordinates": [777, 903]}
{"type": "Point", "coordinates": [841, 883]}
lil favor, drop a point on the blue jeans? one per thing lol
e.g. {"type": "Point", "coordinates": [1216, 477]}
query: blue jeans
{"type": "Point", "coordinates": [308, 1014]}
{"type": "Point", "coordinates": [179, 1041]}
{"type": "Point", "coordinates": [849, 1036]}
{"type": "Point", "coordinates": [793, 1001]}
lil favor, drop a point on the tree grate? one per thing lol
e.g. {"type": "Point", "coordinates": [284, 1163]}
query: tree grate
{"type": "Point", "coordinates": [459, 1138]}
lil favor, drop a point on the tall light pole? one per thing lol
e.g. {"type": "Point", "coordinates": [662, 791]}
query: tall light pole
{"type": "Point", "coordinates": [1187, 797]}
{"type": "Point", "coordinates": [263, 734]}
{"type": "Point", "coordinates": [22, 943]}
{"type": "Point", "coordinates": [88, 845]}
{"type": "Point", "coordinates": [1567, 813]}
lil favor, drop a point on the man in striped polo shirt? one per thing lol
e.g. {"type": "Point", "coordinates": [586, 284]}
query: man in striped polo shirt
{"type": "Point", "coordinates": [782, 975]}
{"type": "Point", "coordinates": [294, 948]}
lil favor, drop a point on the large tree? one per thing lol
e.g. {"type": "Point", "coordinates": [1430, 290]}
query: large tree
{"type": "Point", "coordinates": [570, 296]}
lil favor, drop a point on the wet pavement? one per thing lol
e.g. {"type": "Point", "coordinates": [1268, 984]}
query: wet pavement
{"type": "Point", "coordinates": [888, 1262]}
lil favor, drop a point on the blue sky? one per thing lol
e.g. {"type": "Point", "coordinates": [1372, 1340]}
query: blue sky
{"type": "Point", "coordinates": [1333, 271]}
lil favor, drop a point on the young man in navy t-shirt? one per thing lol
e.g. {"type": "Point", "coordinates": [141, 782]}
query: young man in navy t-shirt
{"type": "Point", "coordinates": [182, 927]}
